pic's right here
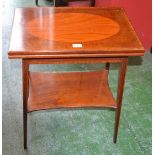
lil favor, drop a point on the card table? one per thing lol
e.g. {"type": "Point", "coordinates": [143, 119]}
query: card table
{"type": "Point", "coordinates": [65, 35]}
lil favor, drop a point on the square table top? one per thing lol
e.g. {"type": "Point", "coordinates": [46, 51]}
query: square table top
{"type": "Point", "coordinates": [49, 32]}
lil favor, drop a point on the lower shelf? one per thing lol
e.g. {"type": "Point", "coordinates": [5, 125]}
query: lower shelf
{"type": "Point", "coordinates": [69, 90]}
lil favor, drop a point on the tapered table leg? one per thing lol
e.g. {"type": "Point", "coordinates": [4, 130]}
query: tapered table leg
{"type": "Point", "coordinates": [25, 72]}
{"type": "Point", "coordinates": [107, 66]}
{"type": "Point", "coordinates": [120, 96]}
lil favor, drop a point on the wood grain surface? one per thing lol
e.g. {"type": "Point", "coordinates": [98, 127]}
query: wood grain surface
{"type": "Point", "coordinates": [69, 90]}
{"type": "Point", "coordinates": [51, 32]}
{"type": "Point", "coordinates": [72, 30]}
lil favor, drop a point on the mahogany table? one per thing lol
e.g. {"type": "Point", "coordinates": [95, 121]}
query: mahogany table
{"type": "Point", "coordinates": [69, 36]}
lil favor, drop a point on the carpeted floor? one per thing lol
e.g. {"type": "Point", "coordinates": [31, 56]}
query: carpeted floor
{"type": "Point", "coordinates": [76, 132]}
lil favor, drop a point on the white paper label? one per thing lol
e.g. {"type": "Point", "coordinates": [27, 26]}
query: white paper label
{"type": "Point", "coordinates": [76, 45]}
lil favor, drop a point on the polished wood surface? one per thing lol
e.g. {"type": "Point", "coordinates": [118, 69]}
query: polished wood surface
{"type": "Point", "coordinates": [75, 32]}
{"type": "Point", "coordinates": [69, 90]}
{"type": "Point", "coordinates": [51, 32]}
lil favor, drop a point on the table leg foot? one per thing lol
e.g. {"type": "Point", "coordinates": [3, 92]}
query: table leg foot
{"type": "Point", "coordinates": [117, 118]}
{"type": "Point", "coordinates": [25, 130]}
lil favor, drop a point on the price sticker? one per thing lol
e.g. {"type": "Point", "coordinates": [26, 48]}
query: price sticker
{"type": "Point", "coordinates": [77, 45]}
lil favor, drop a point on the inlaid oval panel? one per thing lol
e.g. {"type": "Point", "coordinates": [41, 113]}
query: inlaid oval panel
{"type": "Point", "coordinates": [72, 27]}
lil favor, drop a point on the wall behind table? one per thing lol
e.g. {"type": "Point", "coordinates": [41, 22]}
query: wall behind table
{"type": "Point", "coordinates": [140, 15]}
